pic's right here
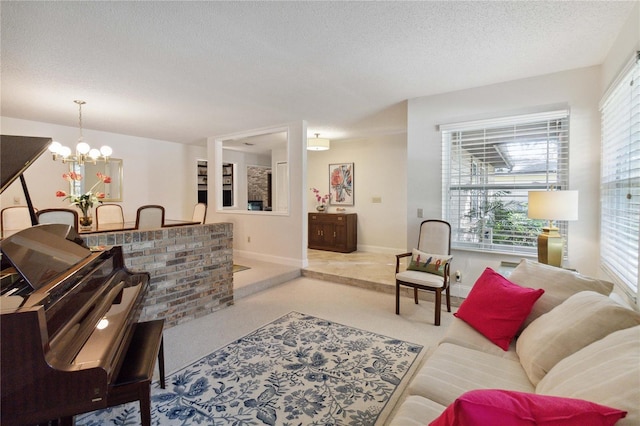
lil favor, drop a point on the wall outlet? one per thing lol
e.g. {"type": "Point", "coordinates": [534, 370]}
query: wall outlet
{"type": "Point", "coordinates": [458, 276]}
{"type": "Point", "coordinates": [420, 213]}
{"type": "Point", "coordinates": [248, 239]}
{"type": "Point", "coordinates": [376, 200]}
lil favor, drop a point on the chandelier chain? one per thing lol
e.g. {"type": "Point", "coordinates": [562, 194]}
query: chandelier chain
{"type": "Point", "coordinates": [80, 103]}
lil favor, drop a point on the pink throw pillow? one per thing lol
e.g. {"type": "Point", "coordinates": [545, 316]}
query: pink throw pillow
{"type": "Point", "coordinates": [503, 407]}
{"type": "Point", "coordinates": [496, 307]}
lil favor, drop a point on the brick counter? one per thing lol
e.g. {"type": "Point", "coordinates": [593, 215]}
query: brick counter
{"type": "Point", "coordinates": [191, 268]}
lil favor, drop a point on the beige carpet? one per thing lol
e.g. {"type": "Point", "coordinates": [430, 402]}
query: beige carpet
{"type": "Point", "coordinates": [356, 307]}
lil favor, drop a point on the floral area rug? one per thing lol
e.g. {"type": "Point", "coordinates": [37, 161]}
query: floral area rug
{"type": "Point", "coordinates": [297, 370]}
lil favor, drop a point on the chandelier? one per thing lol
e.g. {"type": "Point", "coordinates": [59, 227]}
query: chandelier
{"type": "Point", "coordinates": [83, 151]}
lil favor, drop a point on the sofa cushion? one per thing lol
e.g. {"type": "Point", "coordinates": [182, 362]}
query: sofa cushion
{"type": "Point", "coordinates": [503, 407]}
{"type": "Point", "coordinates": [462, 334]}
{"type": "Point", "coordinates": [606, 372]}
{"type": "Point", "coordinates": [453, 370]}
{"type": "Point", "coordinates": [558, 285]}
{"type": "Point", "coordinates": [416, 411]}
{"type": "Point", "coordinates": [496, 307]}
{"type": "Point", "coordinates": [577, 322]}
{"type": "Point", "coordinates": [427, 262]}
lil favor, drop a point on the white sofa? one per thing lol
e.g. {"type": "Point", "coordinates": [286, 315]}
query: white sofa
{"type": "Point", "coordinates": [577, 342]}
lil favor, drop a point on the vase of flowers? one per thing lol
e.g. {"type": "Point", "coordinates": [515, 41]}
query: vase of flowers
{"type": "Point", "coordinates": [322, 200]}
{"type": "Point", "coordinates": [84, 202]}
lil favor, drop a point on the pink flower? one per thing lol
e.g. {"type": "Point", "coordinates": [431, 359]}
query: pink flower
{"type": "Point", "coordinates": [99, 194]}
{"type": "Point", "coordinates": [61, 194]}
{"type": "Point", "coordinates": [320, 199]}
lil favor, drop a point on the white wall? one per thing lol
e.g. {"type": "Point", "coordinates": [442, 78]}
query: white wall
{"type": "Point", "coordinates": [626, 44]}
{"type": "Point", "coordinates": [268, 236]}
{"type": "Point", "coordinates": [577, 89]}
{"type": "Point", "coordinates": [379, 172]}
{"type": "Point", "coordinates": [155, 171]}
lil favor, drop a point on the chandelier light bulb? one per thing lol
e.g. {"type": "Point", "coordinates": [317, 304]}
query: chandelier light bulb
{"type": "Point", "coordinates": [54, 147]}
{"type": "Point", "coordinates": [64, 151]}
{"type": "Point", "coordinates": [83, 148]}
{"type": "Point", "coordinates": [106, 150]}
{"type": "Point", "coordinates": [94, 154]}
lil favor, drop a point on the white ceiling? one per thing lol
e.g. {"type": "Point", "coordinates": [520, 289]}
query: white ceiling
{"type": "Point", "coordinates": [183, 71]}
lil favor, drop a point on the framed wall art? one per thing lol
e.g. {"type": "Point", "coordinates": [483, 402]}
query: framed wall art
{"type": "Point", "coordinates": [341, 184]}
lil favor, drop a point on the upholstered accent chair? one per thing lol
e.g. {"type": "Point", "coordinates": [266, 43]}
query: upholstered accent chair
{"type": "Point", "coordinates": [428, 268]}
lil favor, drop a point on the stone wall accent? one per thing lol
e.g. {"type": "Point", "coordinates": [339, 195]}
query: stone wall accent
{"type": "Point", "coordinates": [191, 268]}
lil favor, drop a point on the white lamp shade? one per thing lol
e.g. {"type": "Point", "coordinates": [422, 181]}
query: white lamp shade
{"type": "Point", "coordinates": [318, 144]}
{"type": "Point", "coordinates": [553, 205]}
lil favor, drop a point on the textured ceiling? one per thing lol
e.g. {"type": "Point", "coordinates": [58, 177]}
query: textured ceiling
{"type": "Point", "coordinates": [183, 71]}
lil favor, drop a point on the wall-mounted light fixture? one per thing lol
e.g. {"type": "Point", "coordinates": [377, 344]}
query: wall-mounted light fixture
{"type": "Point", "coordinates": [318, 143]}
{"type": "Point", "coordinates": [552, 205]}
{"type": "Point", "coordinates": [83, 151]}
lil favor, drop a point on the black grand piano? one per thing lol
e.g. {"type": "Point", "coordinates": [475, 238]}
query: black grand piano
{"type": "Point", "coordinates": [68, 315]}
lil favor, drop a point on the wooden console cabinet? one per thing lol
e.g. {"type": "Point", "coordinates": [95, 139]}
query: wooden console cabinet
{"type": "Point", "coordinates": [333, 232]}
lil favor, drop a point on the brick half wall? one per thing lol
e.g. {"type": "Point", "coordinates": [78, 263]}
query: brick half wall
{"type": "Point", "coordinates": [191, 268]}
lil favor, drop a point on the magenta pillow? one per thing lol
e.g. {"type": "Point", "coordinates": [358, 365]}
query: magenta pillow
{"type": "Point", "coordinates": [496, 307]}
{"type": "Point", "coordinates": [503, 407]}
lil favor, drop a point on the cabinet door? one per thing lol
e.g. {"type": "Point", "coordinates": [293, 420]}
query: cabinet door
{"type": "Point", "coordinates": [340, 234]}
{"type": "Point", "coordinates": [321, 231]}
{"type": "Point", "coordinates": [315, 234]}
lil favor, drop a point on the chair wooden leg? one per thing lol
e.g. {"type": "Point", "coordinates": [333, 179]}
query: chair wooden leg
{"type": "Point", "coordinates": [397, 299]}
{"type": "Point", "coordinates": [438, 307]}
{"type": "Point", "coordinates": [448, 298]}
{"type": "Point", "coordinates": [415, 294]}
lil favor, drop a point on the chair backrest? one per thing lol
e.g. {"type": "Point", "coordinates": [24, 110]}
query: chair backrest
{"type": "Point", "coordinates": [199, 213]}
{"type": "Point", "coordinates": [64, 216]}
{"type": "Point", "coordinates": [435, 237]}
{"type": "Point", "coordinates": [109, 213]}
{"type": "Point", "coordinates": [150, 217]}
{"type": "Point", "coordinates": [14, 219]}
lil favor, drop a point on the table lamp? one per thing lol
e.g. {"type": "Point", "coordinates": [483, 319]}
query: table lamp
{"type": "Point", "coordinates": [552, 205]}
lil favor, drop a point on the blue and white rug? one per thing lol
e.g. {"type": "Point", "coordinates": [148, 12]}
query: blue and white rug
{"type": "Point", "coordinates": [297, 370]}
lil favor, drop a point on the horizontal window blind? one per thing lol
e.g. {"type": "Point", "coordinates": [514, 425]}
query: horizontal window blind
{"type": "Point", "coordinates": [488, 169]}
{"type": "Point", "coordinates": [620, 179]}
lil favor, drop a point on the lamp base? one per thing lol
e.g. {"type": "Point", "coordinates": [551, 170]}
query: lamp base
{"type": "Point", "coordinates": [550, 247]}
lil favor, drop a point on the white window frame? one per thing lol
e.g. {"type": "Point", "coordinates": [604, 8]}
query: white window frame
{"type": "Point", "coordinates": [620, 179]}
{"type": "Point", "coordinates": [462, 188]}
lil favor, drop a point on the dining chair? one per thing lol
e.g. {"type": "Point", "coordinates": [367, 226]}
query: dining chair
{"type": "Point", "coordinates": [199, 213]}
{"type": "Point", "coordinates": [109, 214]}
{"type": "Point", "coordinates": [150, 217]}
{"type": "Point", "coordinates": [14, 219]}
{"type": "Point", "coordinates": [63, 216]}
{"type": "Point", "coordinates": [429, 267]}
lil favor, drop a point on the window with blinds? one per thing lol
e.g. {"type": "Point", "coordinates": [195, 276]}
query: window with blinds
{"type": "Point", "coordinates": [490, 166]}
{"type": "Point", "coordinates": [620, 179]}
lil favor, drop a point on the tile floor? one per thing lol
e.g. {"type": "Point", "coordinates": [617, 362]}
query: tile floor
{"type": "Point", "coordinates": [372, 271]}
